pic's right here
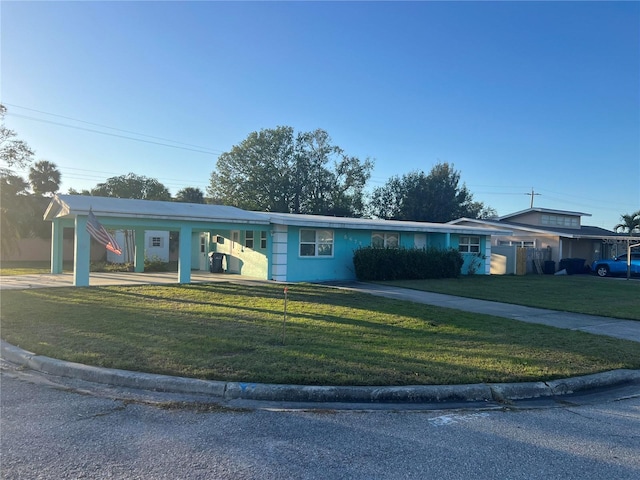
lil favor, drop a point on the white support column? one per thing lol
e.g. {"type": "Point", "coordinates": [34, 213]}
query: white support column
{"type": "Point", "coordinates": [279, 253]}
{"type": "Point", "coordinates": [487, 255]}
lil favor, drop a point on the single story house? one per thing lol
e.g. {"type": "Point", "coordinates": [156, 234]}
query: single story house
{"type": "Point", "coordinates": [549, 236]}
{"type": "Point", "coordinates": [270, 246]}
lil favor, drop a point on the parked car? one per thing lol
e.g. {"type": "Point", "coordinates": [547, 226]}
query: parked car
{"type": "Point", "coordinates": [617, 265]}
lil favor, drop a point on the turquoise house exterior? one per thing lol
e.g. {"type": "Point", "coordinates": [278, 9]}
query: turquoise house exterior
{"type": "Point", "coordinates": [263, 245]}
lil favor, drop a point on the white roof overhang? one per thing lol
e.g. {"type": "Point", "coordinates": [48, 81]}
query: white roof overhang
{"type": "Point", "coordinates": [540, 231]}
{"type": "Point", "coordinates": [320, 221]}
{"type": "Point", "coordinates": [69, 206]}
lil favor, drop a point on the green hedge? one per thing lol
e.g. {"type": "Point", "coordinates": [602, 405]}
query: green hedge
{"type": "Point", "coordinates": [406, 264]}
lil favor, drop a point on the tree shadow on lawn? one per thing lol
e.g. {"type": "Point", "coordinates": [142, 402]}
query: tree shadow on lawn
{"type": "Point", "coordinates": [296, 310]}
{"type": "Point", "coordinates": [245, 343]}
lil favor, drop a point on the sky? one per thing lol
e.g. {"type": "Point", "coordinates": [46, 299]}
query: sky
{"type": "Point", "coordinates": [517, 96]}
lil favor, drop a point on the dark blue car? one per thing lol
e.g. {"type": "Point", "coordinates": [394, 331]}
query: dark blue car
{"type": "Point", "coordinates": [617, 265]}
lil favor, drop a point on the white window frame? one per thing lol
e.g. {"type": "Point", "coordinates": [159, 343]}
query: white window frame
{"type": "Point", "coordinates": [248, 239]}
{"type": "Point", "coordinates": [387, 239]}
{"type": "Point", "coordinates": [321, 243]}
{"type": "Point", "coordinates": [469, 244]}
{"type": "Point", "coordinates": [559, 220]}
{"type": "Point", "coordinates": [152, 243]}
{"type": "Point", "coordinates": [517, 243]}
{"type": "Point", "coordinates": [263, 239]}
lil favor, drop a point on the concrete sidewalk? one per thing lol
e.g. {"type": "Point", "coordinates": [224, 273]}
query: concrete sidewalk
{"type": "Point", "coordinates": [612, 327]}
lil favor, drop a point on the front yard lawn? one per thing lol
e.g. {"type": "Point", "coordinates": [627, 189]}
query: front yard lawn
{"type": "Point", "coordinates": [234, 332]}
{"type": "Point", "coordinates": [609, 297]}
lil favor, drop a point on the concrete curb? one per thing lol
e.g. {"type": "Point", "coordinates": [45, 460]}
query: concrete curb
{"type": "Point", "coordinates": [496, 392]}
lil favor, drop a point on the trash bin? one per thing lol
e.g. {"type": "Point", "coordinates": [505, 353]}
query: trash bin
{"type": "Point", "coordinates": [572, 265]}
{"type": "Point", "coordinates": [549, 267]}
{"type": "Point", "coordinates": [215, 262]}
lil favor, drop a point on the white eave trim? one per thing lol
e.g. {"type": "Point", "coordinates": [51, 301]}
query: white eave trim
{"type": "Point", "coordinates": [384, 225]}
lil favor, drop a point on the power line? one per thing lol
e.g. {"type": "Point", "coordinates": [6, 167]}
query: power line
{"type": "Point", "coordinates": [100, 177]}
{"type": "Point", "coordinates": [105, 126]}
{"type": "Point", "coordinates": [113, 134]}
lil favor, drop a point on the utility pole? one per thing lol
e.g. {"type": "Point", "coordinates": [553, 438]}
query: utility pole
{"type": "Point", "coordinates": [532, 195]}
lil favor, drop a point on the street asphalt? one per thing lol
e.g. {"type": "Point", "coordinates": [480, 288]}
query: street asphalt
{"type": "Point", "coordinates": [420, 394]}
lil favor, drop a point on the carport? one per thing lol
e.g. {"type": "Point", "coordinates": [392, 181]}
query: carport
{"type": "Point", "coordinates": [71, 211]}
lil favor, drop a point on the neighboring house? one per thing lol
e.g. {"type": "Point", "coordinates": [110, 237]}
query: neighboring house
{"type": "Point", "coordinates": [549, 236]}
{"type": "Point", "coordinates": [270, 246]}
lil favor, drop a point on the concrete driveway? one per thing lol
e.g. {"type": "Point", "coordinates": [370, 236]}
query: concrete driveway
{"type": "Point", "coordinates": [113, 278]}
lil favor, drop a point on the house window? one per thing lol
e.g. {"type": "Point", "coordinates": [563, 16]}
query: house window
{"type": "Point", "coordinates": [559, 220]}
{"type": "Point", "coordinates": [516, 243]}
{"type": "Point", "coordinates": [263, 239]}
{"type": "Point", "coordinates": [385, 239]}
{"type": "Point", "coordinates": [469, 244]}
{"type": "Point", "coordinates": [316, 243]}
{"type": "Point", "coordinates": [248, 239]}
{"type": "Point", "coordinates": [155, 242]}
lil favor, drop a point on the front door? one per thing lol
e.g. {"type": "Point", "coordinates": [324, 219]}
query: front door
{"type": "Point", "coordinates": [203, 257]}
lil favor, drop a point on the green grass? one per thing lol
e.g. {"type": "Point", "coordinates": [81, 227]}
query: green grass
{"type": "Point", "coordinates": [609, 297]}
{"type": "Point", "coordinates": [234, 332]}
{"type": "Point", "coordinates": [29, 268]}
{"type": "Point", "coordinates": [38, 267]}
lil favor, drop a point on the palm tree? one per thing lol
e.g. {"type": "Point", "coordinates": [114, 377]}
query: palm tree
{"type": "Point", "coordinates": [44, 177]}
{"type": "Point", "coordinates": [190, 195]}
{"type": "Point", "coordinates": [630, 224]}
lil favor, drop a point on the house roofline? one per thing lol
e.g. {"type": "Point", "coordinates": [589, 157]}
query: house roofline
{"type": "Point", "coordinates": [535, 229]}
{"type": "Point", "coordinates": [298, 220]}
{"type": "Point", "coordinates": [544, 210]}
{"type": "Point", "coordinates": [71, 205]}
{"type": "Point", "coordinates": [68, 206]}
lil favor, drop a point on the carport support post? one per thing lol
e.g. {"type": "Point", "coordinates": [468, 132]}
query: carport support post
{"type": "Point", "coordinates": [629, 247]}
{"type": "Point", "coordinates": [138, 262]}
{"type": "Point", "coordinates": [184, 255]}
{"type": "Point", "coordinates": [57, 246]}
{"type": "Point", "coordinates": [82, 253]}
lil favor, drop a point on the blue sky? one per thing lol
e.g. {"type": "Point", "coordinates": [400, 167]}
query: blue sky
{"type": "Point", "coordinates": [516, 95]}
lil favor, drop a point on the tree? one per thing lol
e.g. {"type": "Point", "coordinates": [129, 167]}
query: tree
{"type": "Point", "coordinates": [275, 170]}
{"type": "Point", "coordinates": [84, 191]}
{"type": "Point", "coordinates": [190, 195]}
{"type": "Point", "coordinates": [630, 224]}
{"type": "Point", "coordinates": [132, 186]}
{"type": "Point", "coordinates": [437, 197]}
{"type": "Point", "coordinates": [15, 209]}
{"type": "Point", "coordinates": [13, 152]}
{"type": "Point", "coordinates": [255, 175]}
{"type": "Point", "coordinates": [44, 177]}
